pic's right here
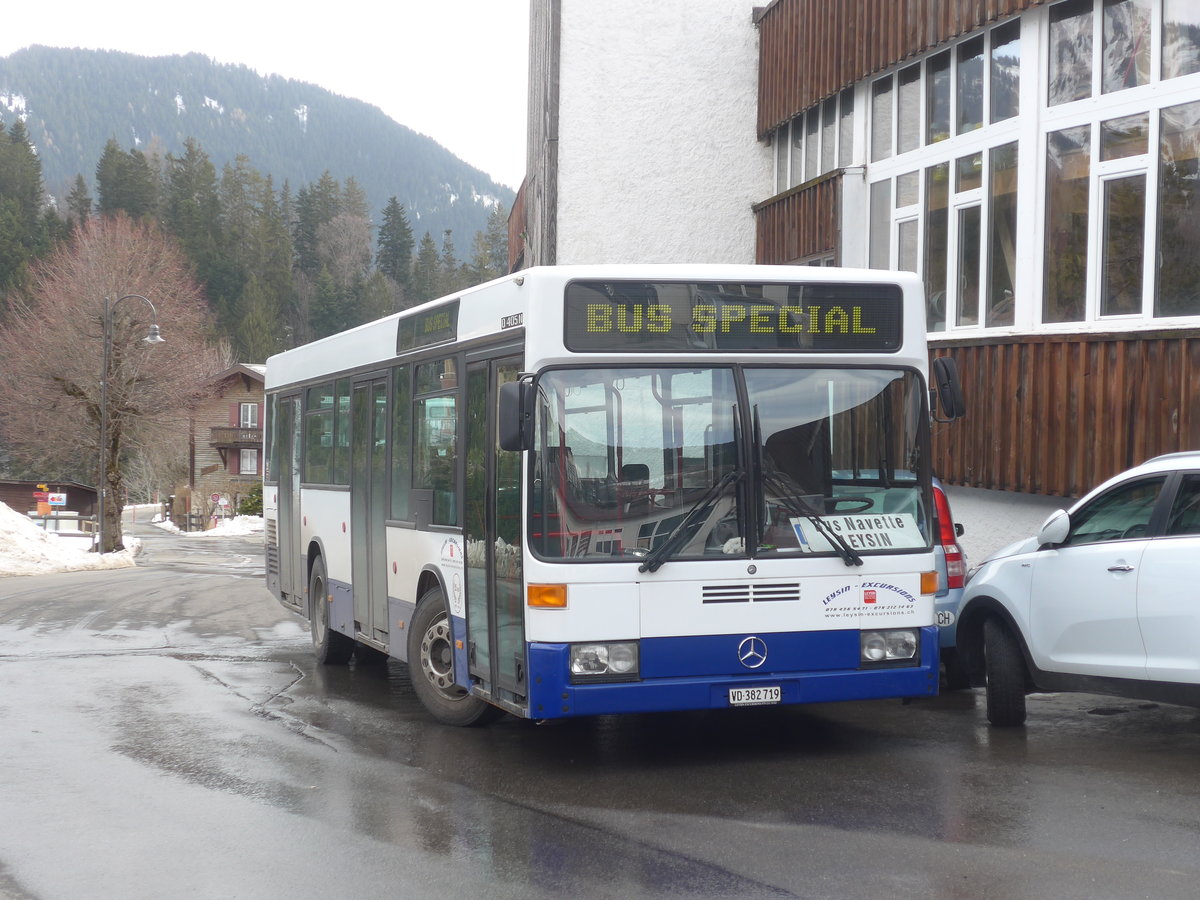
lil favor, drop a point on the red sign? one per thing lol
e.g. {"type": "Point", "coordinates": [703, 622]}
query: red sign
{"type": "Point", "coordinates": [41, 496]}
{"type": "Point", "coordinates": [868, 595]}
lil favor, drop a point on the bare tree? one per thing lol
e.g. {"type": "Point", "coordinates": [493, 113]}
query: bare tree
{"type": "Point", "coordinates": [52, 347]}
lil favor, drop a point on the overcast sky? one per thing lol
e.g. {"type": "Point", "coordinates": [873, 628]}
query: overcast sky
{"type": "Point", "coordinates": [455, 70]}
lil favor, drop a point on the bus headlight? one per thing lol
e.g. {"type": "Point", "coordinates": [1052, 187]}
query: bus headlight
{"type": "Point", "coordinates": [613, 661]}
{"type": "Point", "coordinates": [891, 646]}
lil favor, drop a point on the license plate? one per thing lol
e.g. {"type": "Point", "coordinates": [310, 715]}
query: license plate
{"type": "Point", "coordinates": [755, 696]}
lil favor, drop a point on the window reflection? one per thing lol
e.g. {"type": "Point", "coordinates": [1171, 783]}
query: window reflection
{"type": "Point", "coordinates": [970, 85]}
{"type": "Point", "coordinates": [881, 119]}
{"type": "Point", "coordinates": [1067, 169]}
{"type": "Point", "coordinates": [937, 224]}
{"type": "Point", "coordinates": [1179, 212]}
{"type": "Point", "coordinates": [908, 113]}
{"type": "Point", "coordinates": [1124, 226]}
{"type": "Point", "coordinates": [1070, 51]}
{"type": "Point", "coordinates": [1002, 231]}
{"type": "Point", "coordinates": [1126, 136]}
{"type": "Point", "coordinates": [1180, 38]}
{"type": "Point", "coordinates": [1006, 71]}
{"type": "Point", "coordinates": [1126, 60]}
{"type": "Point", "coordinates": [846, 128]}
{"type": "Point", "coordinates": [968, 265]}
{"type": "Point", "coordinates": [937, 98]}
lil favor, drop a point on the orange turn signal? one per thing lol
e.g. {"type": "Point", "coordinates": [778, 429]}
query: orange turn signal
{"type": "Point", "coordinates": [929, 582]}
{"type": "Point", "coordinates": [547, 596]}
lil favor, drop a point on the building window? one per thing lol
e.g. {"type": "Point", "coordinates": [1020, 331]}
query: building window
{"type": "Point", "coordinates": [970, 85]}
{"type": "Point", "coordinates": [1070, 51]}
{"type": "Point", "coordinates": [1002, 231]}
{"type": "Point", "coordinates": [247, 415]}
{"type": "Point", "coordinates": [1068, 158]}
{"type": "Point", "coordinates": [937, 98]}
{"type": "Point", "coordinates": [1180, 38]}
{"type": "Point", "coordinates": [1006, 71]}
{"type": "Point", "coordinates": [1126, 55]}
{"type": "Point", "coordinates": [1179, 212]}
{"type": "Point", "coordinates": [248, 462]}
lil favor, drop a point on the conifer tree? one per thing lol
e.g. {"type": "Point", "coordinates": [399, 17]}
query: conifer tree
{"type": "Point", "coordinates": [125, 182]}
{"type": "Point", "coordinates": [395, 247]}
{"type": "Point", "coordinates": [79, 203]}
{"type": "Point", "coordinates": [425, 270]}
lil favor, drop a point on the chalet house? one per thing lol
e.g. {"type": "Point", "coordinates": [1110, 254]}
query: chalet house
{"type": "Point", "coordinates": [1035, 162]}
{"type": "Point", "coordinates": [226, 445]}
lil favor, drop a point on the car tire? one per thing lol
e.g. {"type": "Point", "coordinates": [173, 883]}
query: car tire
{"type": "Point", "coordinates": [1005, 670]}
{"type": "Point", "coordinates": [431, 667]}
{"type": "Point", "coordinates": [331, 647]}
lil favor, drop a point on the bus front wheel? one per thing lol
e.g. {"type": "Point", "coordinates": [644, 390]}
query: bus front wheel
{"type": "Point", "coordinates": [331, 647]}
{"type": "Point", "coordinates": [431, 667]}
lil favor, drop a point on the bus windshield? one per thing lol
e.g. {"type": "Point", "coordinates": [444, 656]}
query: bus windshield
{"type": "Point", "coordinates": [627, 458]}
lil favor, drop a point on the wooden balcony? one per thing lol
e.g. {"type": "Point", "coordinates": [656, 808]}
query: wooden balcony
{"type": "Point", "coordinates": [235, 437]}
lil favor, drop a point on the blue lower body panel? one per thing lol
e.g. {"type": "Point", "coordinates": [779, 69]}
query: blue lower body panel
{"type": "Point", "coordinates": [697, 673]}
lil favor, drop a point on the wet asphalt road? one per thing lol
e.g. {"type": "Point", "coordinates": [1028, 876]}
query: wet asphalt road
{"type": "Point", "coordinates": [165, 733]}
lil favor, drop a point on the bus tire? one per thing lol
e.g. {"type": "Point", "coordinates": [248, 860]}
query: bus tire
{"type": "Point", "coordinates": [431, 667]}
{"type": "Point", "coordinates": [331, 647]}
{"type": "Point", "coordinates": [1005, 670]}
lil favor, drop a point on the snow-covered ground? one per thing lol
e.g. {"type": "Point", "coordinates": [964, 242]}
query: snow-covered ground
{"type": "Point", "coordinates": [238, 525]}
{"type": "Point", "coordinates": [25, 549]}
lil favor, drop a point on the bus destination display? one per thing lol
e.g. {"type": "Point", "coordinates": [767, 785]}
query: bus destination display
{"type": "Point", "coordinates": [678, 317]}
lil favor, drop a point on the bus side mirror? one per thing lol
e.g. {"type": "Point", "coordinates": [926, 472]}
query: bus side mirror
{"type": "Point", "coordinates": [514, 426]}
{"type": "Point", "coordinates": [949, 388]}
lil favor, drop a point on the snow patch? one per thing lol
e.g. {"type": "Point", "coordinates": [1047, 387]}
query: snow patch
{"type": "Point", "coordinates": [25, 549]}
{"type": "Point", "coordinates": [180, 106]}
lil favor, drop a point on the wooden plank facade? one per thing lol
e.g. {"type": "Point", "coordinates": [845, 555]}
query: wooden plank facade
{"type": "Point", "coordinates": [218, 437]}
{"type": "Point", "coordinates": [811, 49]}
{"type": "Point", "coordinates": [1059, 414]}
{"type": "Point", "coordinates": [800, 223]}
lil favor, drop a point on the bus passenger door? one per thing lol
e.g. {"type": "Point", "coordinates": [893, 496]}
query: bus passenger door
{"type": "Point", "coordinates": [291, 566]}
{"type": "Point", "coordinates": [368, 507]}
{"type": "Point", "coordinates": [495, 586]}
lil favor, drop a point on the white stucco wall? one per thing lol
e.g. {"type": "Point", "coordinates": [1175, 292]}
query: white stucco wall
{"type": "Point", "coordinates": [657, 156]}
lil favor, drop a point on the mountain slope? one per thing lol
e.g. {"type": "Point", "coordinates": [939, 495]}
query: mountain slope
{"type": "Point", "coordinates": [75, 100]}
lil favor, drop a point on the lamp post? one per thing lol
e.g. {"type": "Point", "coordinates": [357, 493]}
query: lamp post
{"type": "Point", "coordinates": [152, 337]}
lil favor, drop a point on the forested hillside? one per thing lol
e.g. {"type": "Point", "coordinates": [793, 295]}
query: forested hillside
{"type": "Point", "coordinates": [74, 102]}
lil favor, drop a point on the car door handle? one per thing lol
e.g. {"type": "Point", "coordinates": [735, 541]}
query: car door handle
{"type": "Point", "coordinates": [1124, 567]}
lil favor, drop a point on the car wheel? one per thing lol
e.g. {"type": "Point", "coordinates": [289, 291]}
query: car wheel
{"type": "Point", "coordinates": [1005, 669]}
{"type": "Point", "coordinates": [331, 647]}
{"type": "Point", "coordinates": [431, 667]}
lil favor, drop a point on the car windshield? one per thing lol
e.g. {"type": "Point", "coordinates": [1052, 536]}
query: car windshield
{"type": "Point", "coordinates": [725, 462]}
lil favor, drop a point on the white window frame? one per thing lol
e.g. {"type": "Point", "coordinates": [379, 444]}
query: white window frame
{"type": "Point", "coordinates": [253, 458]}
{"type": "Point", "coordinates": [247, 421]}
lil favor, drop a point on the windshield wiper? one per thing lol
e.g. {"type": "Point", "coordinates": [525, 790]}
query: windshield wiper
{"type": "Point", "coordinates": [797, 506]}
{"type": "Point", "coordinates": [656, 557]}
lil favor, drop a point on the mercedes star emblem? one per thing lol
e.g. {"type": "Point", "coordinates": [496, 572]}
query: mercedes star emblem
{"type": "Point", "coordinates": [752, 652]}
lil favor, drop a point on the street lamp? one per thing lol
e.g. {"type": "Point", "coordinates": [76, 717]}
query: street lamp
{"type": "Point", "coordinates": [152, 337]}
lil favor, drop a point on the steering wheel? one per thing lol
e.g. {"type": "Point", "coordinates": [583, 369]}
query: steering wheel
{"type": "Point", "coordinates": [863, 504]}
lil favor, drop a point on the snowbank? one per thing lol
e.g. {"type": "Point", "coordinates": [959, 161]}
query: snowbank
{"type": "Point", "coordinates": [25, 549]}
{"type": "Point", "coordinates": [238, 525]}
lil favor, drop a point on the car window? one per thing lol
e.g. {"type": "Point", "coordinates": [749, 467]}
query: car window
{"type": "Point", "coordinates": [1185, 512]}
{"type": "Point", "coordinates": [1121, 514]}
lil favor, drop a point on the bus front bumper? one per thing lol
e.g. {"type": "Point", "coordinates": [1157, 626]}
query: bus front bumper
{"type": "Point", "coordinates": [804, 677]}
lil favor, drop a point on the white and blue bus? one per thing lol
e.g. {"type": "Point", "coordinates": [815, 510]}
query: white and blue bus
{"type": "Point", "coordinates": [587, 490]}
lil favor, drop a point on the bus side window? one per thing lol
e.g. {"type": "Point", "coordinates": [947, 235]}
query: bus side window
{"type": "Point", "coordinates": [436, 444]}
{"type": "Point", "coordinates": [318, 433]}
{"type": "Point", "coordinates": [401, 443]}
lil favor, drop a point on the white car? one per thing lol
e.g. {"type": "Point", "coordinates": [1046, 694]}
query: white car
{"type": "Point", "coordinates": [1105, 598]}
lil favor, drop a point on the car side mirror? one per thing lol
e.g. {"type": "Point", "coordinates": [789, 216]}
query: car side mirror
{"type": "Point", "coordinates": [514, 424]}
{"type": "Point", "coordinates": [1055, 529]}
